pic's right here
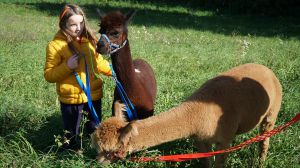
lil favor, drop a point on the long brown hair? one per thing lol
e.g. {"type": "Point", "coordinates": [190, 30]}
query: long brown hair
{"type": "Point", "coordinates": [68, 11]}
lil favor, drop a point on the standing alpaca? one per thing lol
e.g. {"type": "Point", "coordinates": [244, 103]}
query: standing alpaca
{"type": "Point", "coordinates": [136, 76]}
{"type": "Point", "coordinates": [232, 103]}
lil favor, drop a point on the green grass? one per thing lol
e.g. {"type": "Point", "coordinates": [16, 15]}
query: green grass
{"type": "Point", "coordinates": [184, 46]}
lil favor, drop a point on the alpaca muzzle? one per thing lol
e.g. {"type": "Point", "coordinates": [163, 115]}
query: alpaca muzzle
{"type": "Point", "coordinates": [110, 47]}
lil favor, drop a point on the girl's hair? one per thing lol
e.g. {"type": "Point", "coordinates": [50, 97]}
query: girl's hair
{"type": "Point", "coordinates": [68, 11]}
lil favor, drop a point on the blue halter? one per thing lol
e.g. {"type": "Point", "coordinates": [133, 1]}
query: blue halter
{"type": "Point", "coordinates": [113, 47]}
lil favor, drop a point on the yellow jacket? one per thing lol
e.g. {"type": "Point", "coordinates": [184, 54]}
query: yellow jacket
{"type": "Point", "coordinates": [57, 71]}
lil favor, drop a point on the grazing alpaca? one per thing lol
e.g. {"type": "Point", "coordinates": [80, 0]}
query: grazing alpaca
{"type": "Point", "coordinates": [136, 76]}
{"type": "Point", "coordinates": [232, 103]}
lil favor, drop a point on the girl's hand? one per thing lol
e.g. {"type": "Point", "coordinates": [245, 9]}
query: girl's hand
{"type": "Point", "coordinates": [73, 62]}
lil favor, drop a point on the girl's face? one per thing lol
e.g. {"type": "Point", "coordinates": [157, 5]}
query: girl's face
{"type": "Point", "coordinates": [75, 25]}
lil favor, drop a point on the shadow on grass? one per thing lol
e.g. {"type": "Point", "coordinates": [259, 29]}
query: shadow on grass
{"type": "Point", "coordinates": [43, 138]}
{"type": "Point", "coordinates": [283, 27]}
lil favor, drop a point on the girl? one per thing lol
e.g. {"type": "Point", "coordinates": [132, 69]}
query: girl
{"type": "Point", "coordinates": [71, 50]}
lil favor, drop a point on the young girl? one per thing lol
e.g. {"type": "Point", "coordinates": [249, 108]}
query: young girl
{"type": "Point", "coordinates": [72, 48]}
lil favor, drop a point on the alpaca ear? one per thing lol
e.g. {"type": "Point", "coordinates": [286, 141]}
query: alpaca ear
{"type": "Point", "coordinates": [100, 13]}
{"type": "Point", "coordinates": [128, 132]}
{"type": "Point", "coordinates": [129, 16]}
{"type": "Point", "coordinates": [118, 110]}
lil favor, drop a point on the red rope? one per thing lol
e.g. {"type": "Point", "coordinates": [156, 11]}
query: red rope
{"type": "Point", "coordinates": [186, 157]}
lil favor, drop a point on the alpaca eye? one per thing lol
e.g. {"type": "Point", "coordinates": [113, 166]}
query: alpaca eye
{"type": "Point", "coordinates": [110, 155]}
{"type": "Point", "coordinates": [115, 34]}
{"type": "Point", "coordinates": [102, 31]}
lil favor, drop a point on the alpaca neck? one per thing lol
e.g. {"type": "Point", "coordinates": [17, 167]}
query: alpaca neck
{"type": "Point", "coordinates": [123, 66]}
{"type": "Point", "coordinates": [177, 123]}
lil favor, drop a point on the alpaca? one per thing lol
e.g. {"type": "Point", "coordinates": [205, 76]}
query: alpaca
{"type": "Point", "coordinates": [232, 103]}
{"type": "Point", "coordinates": [136, 76]}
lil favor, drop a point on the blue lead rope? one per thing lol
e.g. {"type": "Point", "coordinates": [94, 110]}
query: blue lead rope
{"type": "Point", "coordinates": [131, 114]}
{"type": "Point", "coordinates": [88, 93]}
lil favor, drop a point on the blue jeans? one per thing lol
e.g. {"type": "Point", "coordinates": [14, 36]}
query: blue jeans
{"type": "Point", "coordinates": [72, 115]}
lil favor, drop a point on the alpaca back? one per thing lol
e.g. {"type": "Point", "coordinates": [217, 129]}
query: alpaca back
{"type": "Point", "coordinates": [237, 100]}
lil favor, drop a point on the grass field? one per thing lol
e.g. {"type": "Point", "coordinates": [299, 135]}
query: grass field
{"type": "Point", "coordinates": [185, 46]}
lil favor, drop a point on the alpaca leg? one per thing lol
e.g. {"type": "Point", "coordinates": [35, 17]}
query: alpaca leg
{"type": "Point", "coordinates": [113, 108]}
{"type": "Point", "coordinates": [204, 147]}
{"type": "Point", "coordinates": [220, 159]}
{"type": "Point", "coordinates": [116, 98]}
{"type": "Point", "coordinates": [266, 125]}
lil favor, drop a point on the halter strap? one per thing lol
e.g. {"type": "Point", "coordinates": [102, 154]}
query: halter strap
{"type": "Point", "coordinates": [113, 47]}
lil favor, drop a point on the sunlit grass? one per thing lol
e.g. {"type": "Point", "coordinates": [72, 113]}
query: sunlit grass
{"type": "Point", "coordinates": [182, 56]}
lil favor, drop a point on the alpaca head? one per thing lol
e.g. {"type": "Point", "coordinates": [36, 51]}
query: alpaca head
{"type": "Point", "coordinates": [111, 138]}
{"type": "Point", "coordinates": [113, 30]}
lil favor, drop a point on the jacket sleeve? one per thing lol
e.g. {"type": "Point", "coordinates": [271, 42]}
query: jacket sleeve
{"type": "Point", "coordinates": [103, 66]}
{"type": "Point", "coordinates": [55, 70]}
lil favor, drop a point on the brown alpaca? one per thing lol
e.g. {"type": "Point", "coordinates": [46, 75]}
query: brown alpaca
{"type": "Point", "coordinates": [232, 103]}
{"type": "Point", "coordinates": [136, 76]}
